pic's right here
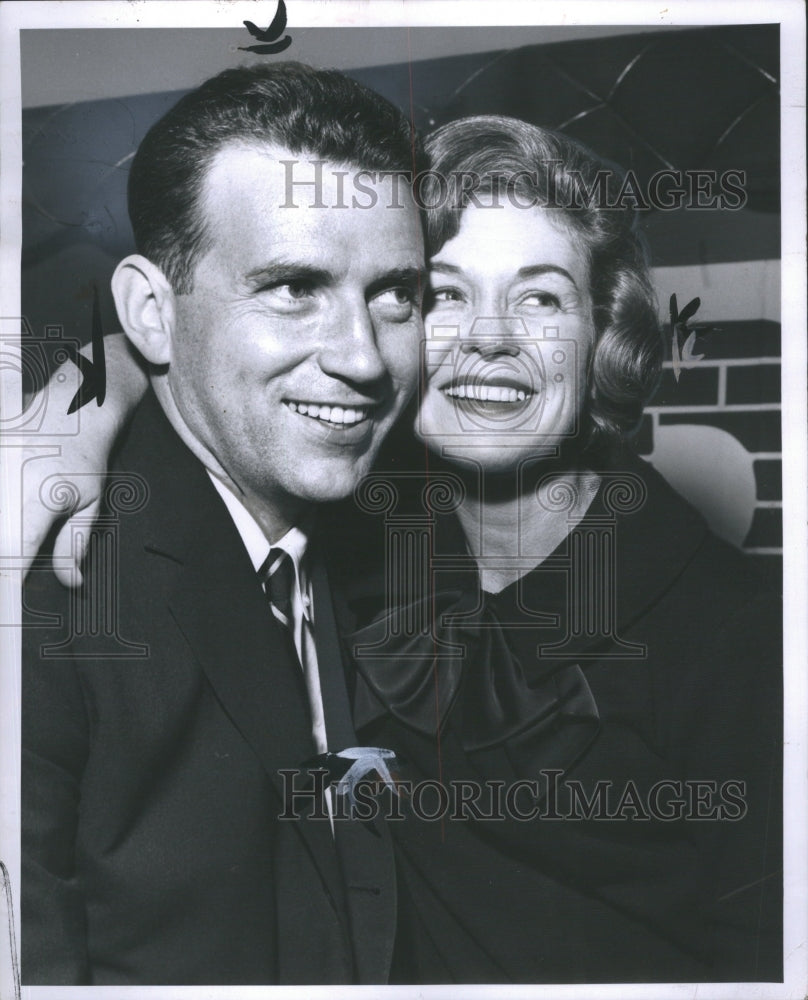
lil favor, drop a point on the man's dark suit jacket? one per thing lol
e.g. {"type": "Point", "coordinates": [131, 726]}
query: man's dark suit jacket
{"type": "Point", "coordinates": [159, 703]}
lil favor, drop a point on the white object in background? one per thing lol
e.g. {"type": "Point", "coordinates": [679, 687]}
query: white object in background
{"type": "Point", "coordinates": [712, 470]}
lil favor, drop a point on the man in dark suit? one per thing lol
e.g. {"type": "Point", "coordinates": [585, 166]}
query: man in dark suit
{"type": "Point", "coordinates": [161, 702]}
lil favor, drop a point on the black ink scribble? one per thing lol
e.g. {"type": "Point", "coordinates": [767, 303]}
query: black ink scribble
{"type": "Point", "coordinates": [94, 383]}
{"type": "Point", "coordinates": [8, 901]}
{"type": "Point", "coordinates": [270, 34]}
{"type": "Point", "coordinates": [683, 357]}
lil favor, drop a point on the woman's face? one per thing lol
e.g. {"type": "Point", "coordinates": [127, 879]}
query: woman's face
{"type": "Point", "coordinates": [509, 332]}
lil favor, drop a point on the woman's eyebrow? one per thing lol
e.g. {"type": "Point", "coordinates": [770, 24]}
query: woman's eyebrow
{"type": "Point", "coordinates": [438, 265]}
{"type": "Point", "coordinates": [537, 270]}
{"type": "Point", "coordinates": [530, 271]}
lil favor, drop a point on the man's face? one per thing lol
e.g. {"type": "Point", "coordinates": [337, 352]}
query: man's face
{"type": "Point", "coordinates": [298, 346]}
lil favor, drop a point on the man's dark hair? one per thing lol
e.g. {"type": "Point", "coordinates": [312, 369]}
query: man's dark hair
{"type": "Point", "coordinates": [317, 112]}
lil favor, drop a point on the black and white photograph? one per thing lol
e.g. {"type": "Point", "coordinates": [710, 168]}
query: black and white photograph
{"type": "Point", "coordinates": [403, 507]}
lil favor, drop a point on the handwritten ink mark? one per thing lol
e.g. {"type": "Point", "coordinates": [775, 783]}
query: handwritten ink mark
{"type": "Point", "coordinates": [270, 34]}
{"type": "Point", "coordinates": [94, 383]}
{"type": "Point", "coordinates": [684, 357]}
{"type": "Point", "coordinates": [12, 941]}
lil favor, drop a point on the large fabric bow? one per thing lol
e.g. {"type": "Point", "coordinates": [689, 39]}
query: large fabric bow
{"type": "Point", "coordinates": [469, 668]}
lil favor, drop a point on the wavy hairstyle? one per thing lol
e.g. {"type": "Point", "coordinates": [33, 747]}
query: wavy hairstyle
{"type": "Point", "coordinates": [551, 170]}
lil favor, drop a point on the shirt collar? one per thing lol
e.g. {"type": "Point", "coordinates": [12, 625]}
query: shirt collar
{"type": "Point", "coordinates": [294, 542]}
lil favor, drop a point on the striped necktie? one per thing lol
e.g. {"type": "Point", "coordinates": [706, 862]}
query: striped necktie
{"type": "Point", "coordinates": [278, 577]}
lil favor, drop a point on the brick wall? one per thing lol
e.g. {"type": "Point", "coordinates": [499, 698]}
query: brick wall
{"type": "Point", "coordinates": [734, 387]}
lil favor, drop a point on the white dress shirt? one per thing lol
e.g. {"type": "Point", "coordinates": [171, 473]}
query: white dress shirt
{"type": "Point", "coordinates": [295, 543]}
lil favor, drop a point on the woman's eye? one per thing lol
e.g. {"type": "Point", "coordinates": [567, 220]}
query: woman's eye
{"type": "Point", "coordinates": [447, 295]}
{"type": "Point", "coordinates": [437, 298]}
{"type": "Point", "coordinates": [543, 300]}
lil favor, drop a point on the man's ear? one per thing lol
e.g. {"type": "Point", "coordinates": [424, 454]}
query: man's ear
{"type": "Point", "coordinates": [145, 303]}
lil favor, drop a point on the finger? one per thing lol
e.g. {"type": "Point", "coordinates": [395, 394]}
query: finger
{"type": "Point", "coordinates": [70, 547]}
{"type": "Point", "coordinates": [35, 527]}
{"type": "Point", "coordinates": [38, 519]}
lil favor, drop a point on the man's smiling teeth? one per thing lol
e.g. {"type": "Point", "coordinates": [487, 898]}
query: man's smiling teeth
{"type": "Point", "coordinates": [345, 416]}
{"type": "Point", "coordinates": [495, 393]}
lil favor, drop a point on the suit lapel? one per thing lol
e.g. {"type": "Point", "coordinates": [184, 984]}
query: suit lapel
{"type": "Point", "coordinates": [219, 606]}
{"type": "Point", "coordinates": [235, 640]}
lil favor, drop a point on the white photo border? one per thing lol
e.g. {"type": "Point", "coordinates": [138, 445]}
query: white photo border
{"type": "Point", "coordinates": [189, 14]}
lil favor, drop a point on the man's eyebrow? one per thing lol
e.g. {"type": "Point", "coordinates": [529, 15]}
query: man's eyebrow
{"type": "Point", "coordinates": [281, 271]}
{"type": "Point", "coordinates": [410, 276]}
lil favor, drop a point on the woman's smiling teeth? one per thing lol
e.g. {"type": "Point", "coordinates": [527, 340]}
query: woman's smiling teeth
{"type": "Point", "coordinates": [342, 416]}
{"type": "Point", "coordinates": [493, 393]}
